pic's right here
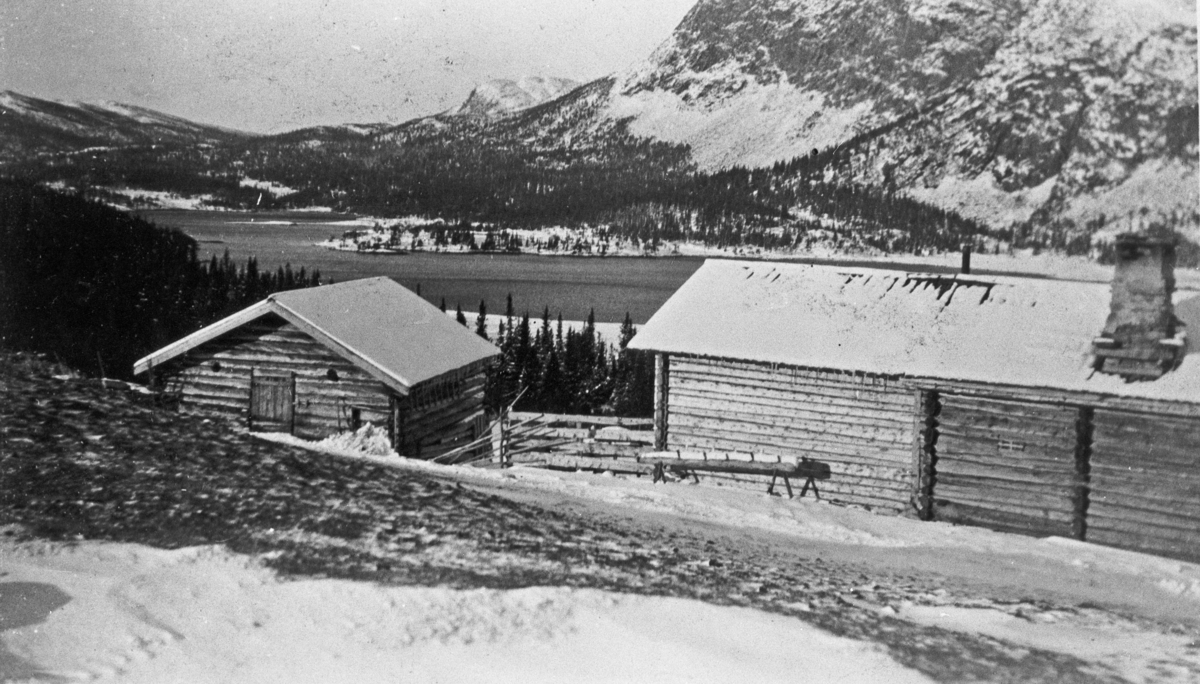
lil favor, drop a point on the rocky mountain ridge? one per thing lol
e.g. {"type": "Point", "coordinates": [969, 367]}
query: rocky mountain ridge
{"type": "Point", "coordinates": [504, 96]}
{"type": "Point", "coordinates": [1040, 112]}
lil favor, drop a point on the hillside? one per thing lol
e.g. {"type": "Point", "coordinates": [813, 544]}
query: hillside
{"type": "Point", "coordinates": [31, 126]}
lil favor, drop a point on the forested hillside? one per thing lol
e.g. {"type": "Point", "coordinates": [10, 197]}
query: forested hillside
{"type": "Point", "coordinates": [98, 289]}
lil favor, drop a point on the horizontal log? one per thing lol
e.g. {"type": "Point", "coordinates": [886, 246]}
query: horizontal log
{"type": "Point", "coordinates": [1113, 502]}
{"type": "Point", "coordinates": [1146, 453]}
{"type": "Point", "coordinates": [797, 432]}
{"type": "Point", "coordinates": [214, 405]}
{"type": "Point", "coordinates": [798, 408]}
{"type": "Point", "coordinates": [437, 424]}
{"type": "Point", "coordinates": [1003, 521]}
{"type": "Point", "coordinates": [784, 378]}
{"type": "Point", "coordinates": [894, 433]}
{"type": "Point", "coordinates": [1009, 489]}
{"type": "Point", "coordinates": [1027, 430]}
{"type": "Point", "coordinates": [1180, 550]}
{"type": "Point", "coordinates": [1144, 424]}
{"type": "Point", "coordinates": [805, 469]}
{"type": "Point", "coordinates": [952, 445]}
{"type": "Point", "coordinates": [782, 390]}
{"type": "Point", "coordinates": [709, 389]}
{"type": "Point", "coordinates": [769, 370]}
{"type": "Point", "coordinates": [1106, 515]}
{"type": "Point", "coordinates": [569, 420]}
{"type": "Point", "coordinates": [1034, 477]}
{"type": "Point", "coordinates": [1146, 526]}
{"type": "Point", "coordinates": [1001, 406]}
{"type": "Point", "coordinates": [1175, 482]}
{"type": "Point", "coordinates": [952, 449]}
{"type": "Point", "coordinates": [821, 450]}
{"type": "Point", "coordinates": [1055, 506]}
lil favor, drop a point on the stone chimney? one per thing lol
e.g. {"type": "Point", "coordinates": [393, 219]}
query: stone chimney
{"type": "Point", "coordinates": [1139, 340]}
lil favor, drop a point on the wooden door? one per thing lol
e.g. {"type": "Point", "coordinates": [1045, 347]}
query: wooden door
{"type": "Point", "coordinates": [272, 402]}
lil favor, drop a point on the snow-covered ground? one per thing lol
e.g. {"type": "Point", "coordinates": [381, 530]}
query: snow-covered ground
{"type": "Point", "coordinates": [97, 611]}
{"type": "Point", "coordinates": [1117, 596]}
{"type": "Point", "coordinates": [128, 613]}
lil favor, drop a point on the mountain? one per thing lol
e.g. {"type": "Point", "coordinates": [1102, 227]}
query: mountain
{"type": "Point", "coordinates": [1050, 113]}
{"type": "Point", "coordinates": [503, 96]}
{"type": "Point", "coordinates": [31, 126]}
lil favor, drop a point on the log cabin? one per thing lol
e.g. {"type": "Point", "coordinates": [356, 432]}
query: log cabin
{"type": "Point", "coordinates": [1030, 405]}
{"type": "Point", "coordinates": [323, 360]}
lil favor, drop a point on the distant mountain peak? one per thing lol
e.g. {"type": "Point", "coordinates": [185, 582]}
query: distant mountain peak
{"type": "Point", "coordinates": [504, 95]}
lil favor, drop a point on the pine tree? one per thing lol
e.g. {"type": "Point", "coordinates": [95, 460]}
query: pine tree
{"type": "Point", "coordinates": [627, 331]}
{"type": "Point", "coordinates": [458, 315]}
{"type": "Point", "coordinates": [481, 321]}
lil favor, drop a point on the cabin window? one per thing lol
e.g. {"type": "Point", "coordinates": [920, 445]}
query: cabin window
{"type": "Point", "coordinates": [1010, 445]}
{"type": "Point", "coordinates": [332, 375]}
{"type": "Point", "coordinates": [216, 366]}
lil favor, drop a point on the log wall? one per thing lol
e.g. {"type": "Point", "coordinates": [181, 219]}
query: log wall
{"type": "Point", "coordinates": [1007, 465]}
{"type": "Point", "coordinates": [1145, 483]}
{"type": "Point", "coordinates": [861, 425]}
{"type": "Point", "coordinates": [441, 414]}
{"type": "Point", "coordinates": [216, 377]}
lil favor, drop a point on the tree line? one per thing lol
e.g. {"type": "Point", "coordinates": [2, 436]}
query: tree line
{"type": "Point", "coordinates": [544, 368]}
{"type": "Point", "coordinates": [98, 288]}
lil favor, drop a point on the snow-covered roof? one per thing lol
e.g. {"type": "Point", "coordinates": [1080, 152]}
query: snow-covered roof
{"type": "Point", "coordinates": [374, 323]}
{"type": "Point", "coordinates": [1003, 330]}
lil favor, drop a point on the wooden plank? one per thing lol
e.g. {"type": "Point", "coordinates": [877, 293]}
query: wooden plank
{"type": "Point", "coordinates": [838, 449]}
{"type": "Point", "coordinates": [797, 407]}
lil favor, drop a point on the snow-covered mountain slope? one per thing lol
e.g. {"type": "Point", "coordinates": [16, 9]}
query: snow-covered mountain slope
{"type": "Point", "coordinates": [502, 96]}
{"type": "Point", "coordinates": [30, 125]}
{"type": "Point", "coordinates": [1000, 109]}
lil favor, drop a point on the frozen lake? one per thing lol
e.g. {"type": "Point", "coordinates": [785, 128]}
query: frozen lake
{"type": "Point", "coordinates": [572, 285]}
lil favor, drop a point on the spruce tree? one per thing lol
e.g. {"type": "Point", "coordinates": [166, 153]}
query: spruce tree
{"type": "Point", "coordinates": [481, 321]}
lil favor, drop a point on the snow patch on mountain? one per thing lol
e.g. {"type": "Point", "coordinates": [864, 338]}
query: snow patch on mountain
{"type": "Point", "coordinates": [765, 123]}
{"type": "Point", "coordinates": [503, 95]}
{"type": "Point", "coordinates": [983, 200]}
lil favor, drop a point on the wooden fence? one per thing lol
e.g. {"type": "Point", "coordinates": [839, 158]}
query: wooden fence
{"type": "Point", "coordinates": [575, 442]}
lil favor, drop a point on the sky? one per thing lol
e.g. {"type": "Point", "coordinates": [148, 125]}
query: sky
{"type": "Point", "coordinates": [274, 65]}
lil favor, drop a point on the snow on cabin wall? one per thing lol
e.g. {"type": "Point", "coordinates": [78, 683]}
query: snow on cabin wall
{"type": "Point", "coordinates": [216, 377]}
{"type": "Point", "coordinates": [861, 425]}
